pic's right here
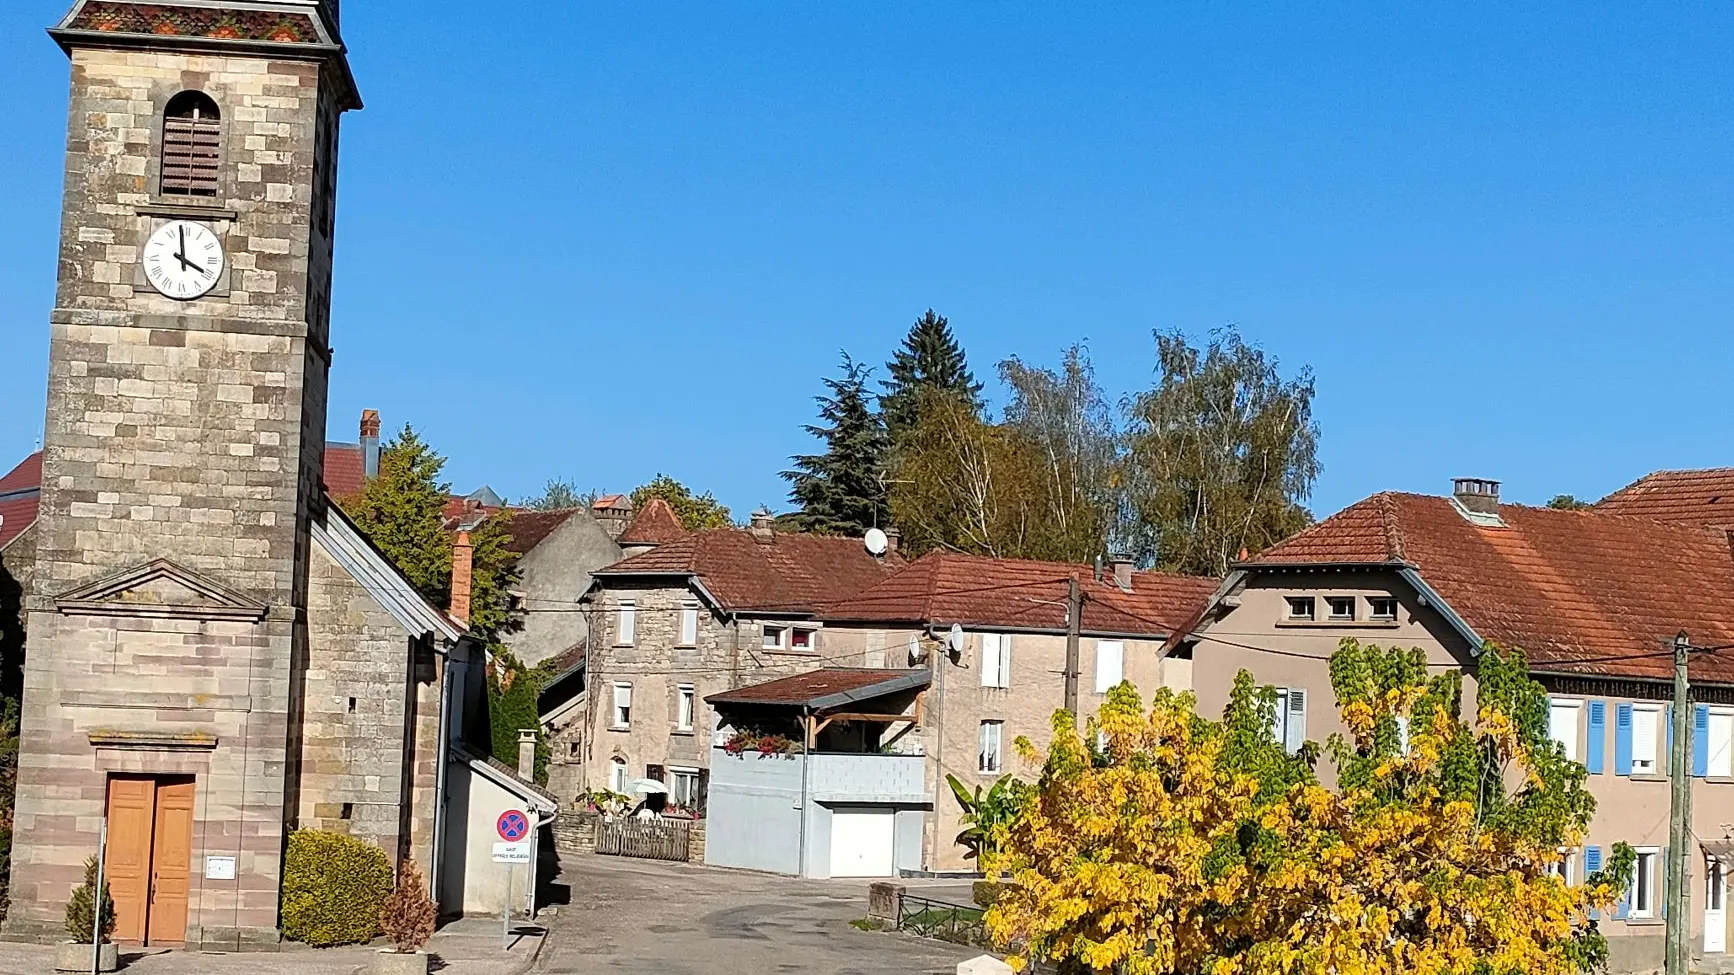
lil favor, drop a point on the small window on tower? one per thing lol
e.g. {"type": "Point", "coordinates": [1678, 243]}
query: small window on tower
{"type": "Point", "coordinates": [192, 133]}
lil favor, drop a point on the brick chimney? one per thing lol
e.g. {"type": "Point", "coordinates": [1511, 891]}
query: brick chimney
{"type": "Point", "coordinates": [463, 567]}
{"type": "Point", "coordinates": [1477, 495]}
{"type": "Point", "coordinates": [1122, 570]}
{"type": "Point", "coordinates": [761, 524]}
{"type": "Point", "coordinates": [893, 539]}
{"type": "Point", "coordinates": [370, 443]}
{"type": "Point", "coordinates": [527, 754]}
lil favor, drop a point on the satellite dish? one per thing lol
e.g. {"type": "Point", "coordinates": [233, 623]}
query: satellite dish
{"type": "Point", "coordinates": [915, 650]}
{"type": "Point", "coordinates": [954, 639]}
{"type": "Point", "coordinates": [876, 541]}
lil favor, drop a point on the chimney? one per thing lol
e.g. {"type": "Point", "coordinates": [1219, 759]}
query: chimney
{"type": "Point", "coordinates": [1477, 495]}
{"type": "Point", "coordinates": [893, 539]}
{"type": "Point", "coordinates": [370, 443]}
{"type": "Point", "coordinates": [1122, 570]}
{"type": "Point", "coordinates": [527, 754]}
{"type": "Point", "coordinates": [761, 524]}
{"type": "Point", "coordinates": [463, 554]}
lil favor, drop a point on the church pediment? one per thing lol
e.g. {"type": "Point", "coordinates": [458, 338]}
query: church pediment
{"type": "Point", "coordinates": [160, 588]}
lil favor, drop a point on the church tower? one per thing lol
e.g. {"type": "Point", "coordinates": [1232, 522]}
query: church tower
{"type": "Point", "coordinates": [182, 459]}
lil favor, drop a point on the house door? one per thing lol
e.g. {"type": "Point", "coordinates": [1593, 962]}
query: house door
{"type": "Point", "coordinates": [150, 853]}
{"type": "Point", "coordinates": [1715, 907]}
{"type": "Point", "coordinates": [862, 843]}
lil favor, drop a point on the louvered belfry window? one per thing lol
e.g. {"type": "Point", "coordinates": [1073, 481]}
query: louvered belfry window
{"type": "Point", "coordinates": [192, 129]}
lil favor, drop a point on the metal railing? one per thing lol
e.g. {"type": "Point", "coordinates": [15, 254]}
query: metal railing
{"type": "Point", "coordinates": [957, 923]}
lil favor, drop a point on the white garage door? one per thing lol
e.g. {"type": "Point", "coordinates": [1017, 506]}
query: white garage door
{"type": "Point", "coordinates": [861, 843]}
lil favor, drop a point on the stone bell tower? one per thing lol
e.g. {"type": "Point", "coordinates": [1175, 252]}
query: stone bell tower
{"type": "Point", "coordinates": [182, 458]}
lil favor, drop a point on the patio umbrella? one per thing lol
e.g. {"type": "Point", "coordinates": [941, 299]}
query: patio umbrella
{"type": "Point", "coordinates": [648, 786]}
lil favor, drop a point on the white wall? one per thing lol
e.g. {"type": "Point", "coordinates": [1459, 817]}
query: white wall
{"type": "Point", "coordinates": [473, 882]}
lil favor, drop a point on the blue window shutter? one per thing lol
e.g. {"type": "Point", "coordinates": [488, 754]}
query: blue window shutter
{"type": "Point", "coordinates": [1623, 739]}
{"type": "Point", "coordinates": [1701, 740]}
{"type": "Point", "coordinates": [1592, 861]}
{"type": "Point", "coordinates": [1595, 755]}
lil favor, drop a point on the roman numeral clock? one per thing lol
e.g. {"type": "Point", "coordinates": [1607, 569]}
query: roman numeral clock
{"type": "Point", "coordinates": [183, 260]}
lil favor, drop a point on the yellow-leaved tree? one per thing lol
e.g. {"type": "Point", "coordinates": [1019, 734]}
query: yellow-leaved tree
{"type": "Point", "coordinates": [1156, 841]}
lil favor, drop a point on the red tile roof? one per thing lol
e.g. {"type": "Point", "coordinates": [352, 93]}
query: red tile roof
{"type": "Point", "coordinates": [27, 476]}
{"type": "Point", "coordinates": [345, 469]}
{"type": "Point", "coordinates": [1687, 497]}
{"type": "Point", "coordinates": [945, 587]}
{"type": "Point", "coordinates": [527, 529]}
{"type": "Point", "coordinates": [657, 524]}
{"type": "Point", "coordinates": [779, 573]}
{"type": "Point", "coordinates": [16, 514]}
{"type": "Point", "coordinates": [615, 501]}
{"type": "Point", "coordinates": [1568, 587]}
{"type": "Point", "coordinates": [845, 684]}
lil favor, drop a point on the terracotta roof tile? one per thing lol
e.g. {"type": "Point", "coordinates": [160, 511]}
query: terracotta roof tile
{"type": "Point", "coordinates": [1704, 498]}
{"type": "Point", "coordinates": [813, 687]}
{"type": "Point", "coordinates": [784, 573]}
{"type": "Point", "coordinates": [345, 469]}
{"type": "Point", "coordinates": [657, 524]}
{"type": "Point", "coordinates": [945, 587]}
{"type": "Point", "coordinates": [1568, 587]}
{"type": "Point", "coordinates": [17, 512]}
{"type": "Point", "coordinates": [27, 476]}
{"type": "Point", "coordinates": [527, 529]}
{"type": "Point", "coordinates": [618, 502]}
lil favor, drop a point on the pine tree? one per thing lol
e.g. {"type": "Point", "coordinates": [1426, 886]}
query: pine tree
{"type": "Point", "coordinates": [842, 491]}
{"type": "Point", "coordinates": [930, 359]}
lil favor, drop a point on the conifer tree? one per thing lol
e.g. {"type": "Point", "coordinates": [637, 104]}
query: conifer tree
{"type": "Point", "coordinates": [842, 491]}
{"type": "Point", "coordinates": [930, 359]}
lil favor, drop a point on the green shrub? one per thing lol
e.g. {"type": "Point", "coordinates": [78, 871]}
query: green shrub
{"type": "Point", "coordinates": [986, 892]}
{"type": "Point", "coordinates": [333, 886]}
{"type": "Point", "coordinates": [81, 908]}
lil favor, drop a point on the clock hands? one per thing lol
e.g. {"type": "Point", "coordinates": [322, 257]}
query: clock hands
{"type": "Point", "coordinates": [181, 255]}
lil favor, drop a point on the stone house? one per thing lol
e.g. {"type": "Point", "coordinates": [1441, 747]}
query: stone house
{"type": "Point", "coordinates": [1009, 676]}
{"type": "Point", "coordinates": [691, 616]}
{"type": "Point", "coordinates": [214, 656]}
{"type": "Point", "coordinates": [1593, 597]}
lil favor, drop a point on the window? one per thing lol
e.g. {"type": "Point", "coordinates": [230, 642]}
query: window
{"type": "Point", "coordinates": [617, 775]}
{"type": "Point", "coordinates": [1562, 725]}
{"type": "Point", "coordinates": [689, 626]}
{"type": "Point", "coordinates": [192, 133]}
{"type": "Point", "coordinates": [1641, 899]}
{"type": "Point", "coordinates": [1382, 608]}
{"type": "Point", "coordinates": [1715, 891]}
{"type": "Point", "coordinates": [1289, 724]}
{"type": "Point", "coordinates": [1342, 607]}
{"type": "Point", "coordinates": [684, 707]}
{"type": "Point", "coordinates": [1646, 722]}
{"type": "Point", "coordinates": [1720, 744]}
{"type": "Point", "coordinates": [1300, 607]}
{"type": "Point", "coordinates": [774, 637]}
{"type": "Point", "coordinates": [626, 623]}
{"type": "Point", "coordinates": [1561, 868]}
{"type": "Point", "coordinates": [992, 733]}
{"type": "Point", "coordinates": [683, 788]}
{"type": "Point", "coordinates": [800, 639]}
{"type": "Point", "coordinates": [622, 705]}
{"type": "Point", "coordinates": [1110, 664]}
{"type": "Point", "coordinates": [995, 660]}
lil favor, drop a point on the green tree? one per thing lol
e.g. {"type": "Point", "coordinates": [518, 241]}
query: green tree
{"type": "Point", "coordinates": [843, 490]}
{"type": "Point", "coordinates": [560, 494]}
{"type": "Point", "coordinates": [1063, 417]}
{"type": "Point", "coordinates": [1222, 453]}
{"type": "Point", "coordinates": [930, 359]}
{"type": "Point", "coordinates": [695, 511]}
{"type": "Point", "coordinates": [1566, 502]}
{"type": "Point", "coordinates": [402, 511]}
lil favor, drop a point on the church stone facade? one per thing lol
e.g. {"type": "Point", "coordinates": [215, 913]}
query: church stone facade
{"type": "Point", "coordinates": [213, 656]}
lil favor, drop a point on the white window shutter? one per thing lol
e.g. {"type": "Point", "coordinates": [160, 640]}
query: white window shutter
{"type": "Point", "coordinates": [1297, 720]}
{"type": "Point", "coordinates": [689, 626]}
{"type": "Point", "coordinates": [1005, 645]}
{"type": "Point", "coordinates": [628, 623]}
{"type": "Point", "coordinates": [1110, 664]}
{"type": "Point", "coordinates": [990, 659]}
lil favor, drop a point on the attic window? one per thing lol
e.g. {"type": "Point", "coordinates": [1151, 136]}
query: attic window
{"type": "Point", "coordinates": [192, 132]}
{"type": "Point", "coordinates": [1342, 607]}
{"type": "Point", "coordinates": [1301, 608]}
{"type": "Point", "coordinates": [1384, 608]}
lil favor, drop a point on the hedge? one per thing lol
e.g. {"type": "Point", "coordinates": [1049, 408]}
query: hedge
{"type": "Point", "coordinates": [333, 886]}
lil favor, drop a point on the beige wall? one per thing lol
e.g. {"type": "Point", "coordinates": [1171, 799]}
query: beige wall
{"type": "Point", "coordinates": [1633, 810]}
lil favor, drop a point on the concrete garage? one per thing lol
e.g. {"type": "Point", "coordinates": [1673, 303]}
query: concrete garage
{"type": "Point", "coordinates": [843, 806]}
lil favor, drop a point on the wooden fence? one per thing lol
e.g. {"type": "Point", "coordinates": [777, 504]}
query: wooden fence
{"type": "Point", "coordinates": [645, 839]}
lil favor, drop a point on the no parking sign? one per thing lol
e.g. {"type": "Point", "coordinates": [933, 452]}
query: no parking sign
{"type": "Point", "coordinates": [512, 825]}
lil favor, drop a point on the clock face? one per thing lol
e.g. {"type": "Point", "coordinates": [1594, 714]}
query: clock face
{"type": "Point", "coordinates": [183, 259]}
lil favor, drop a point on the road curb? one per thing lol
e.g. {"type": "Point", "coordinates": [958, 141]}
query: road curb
{"type": "Point", "coordinates": [535, 954]}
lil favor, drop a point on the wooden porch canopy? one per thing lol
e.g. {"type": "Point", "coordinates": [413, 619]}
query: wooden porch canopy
{"type": "Point", "coordinates": [817, 698]}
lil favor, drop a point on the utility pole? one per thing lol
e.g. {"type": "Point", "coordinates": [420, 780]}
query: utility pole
{"type": "Point", "coordinates": [1677, 954]}
{"type": "Point", "coordinates": [1074, 617]}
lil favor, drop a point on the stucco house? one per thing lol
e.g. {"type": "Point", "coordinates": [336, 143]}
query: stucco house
{"type": "Point", "coordinates": [1594, 597]}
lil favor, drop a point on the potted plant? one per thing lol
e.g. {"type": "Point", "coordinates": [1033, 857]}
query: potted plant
{"type": "Point", "coordinates": [407, 918]}
{"type": "Point", "coordinates": [81, 915]}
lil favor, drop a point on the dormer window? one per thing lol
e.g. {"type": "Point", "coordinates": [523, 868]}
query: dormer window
{"type": "Point", "coordinates": [192, 133]}
{"type": "Point", "coordinates": [1301, 608]}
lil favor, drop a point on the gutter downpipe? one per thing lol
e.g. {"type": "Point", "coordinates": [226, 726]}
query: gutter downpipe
{"type": "Point", "coordinates": [806, 766]}
{"type": "Point", "coordinates": [442, 755]}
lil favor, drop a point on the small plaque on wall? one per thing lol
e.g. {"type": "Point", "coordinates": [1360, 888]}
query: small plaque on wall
{"type": "Point", "coordinates": [219, 868]}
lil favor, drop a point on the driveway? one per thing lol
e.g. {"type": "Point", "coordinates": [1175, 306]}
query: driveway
{"type": "Point", "coordinates": [644, 917]}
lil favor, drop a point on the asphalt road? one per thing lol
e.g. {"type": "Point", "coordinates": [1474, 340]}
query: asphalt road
{"type": "Point", "coordinates": [643, 917]}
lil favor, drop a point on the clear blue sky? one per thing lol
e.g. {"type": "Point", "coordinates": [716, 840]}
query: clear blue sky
{"type": "Point", "coordinates": [602, 240]}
